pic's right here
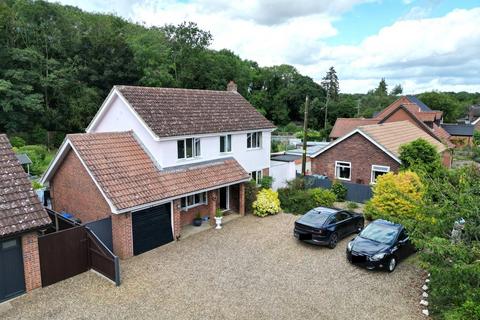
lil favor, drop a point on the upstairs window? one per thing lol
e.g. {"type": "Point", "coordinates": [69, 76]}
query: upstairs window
{"type": "Point", "coordinates": [188, 148]}
{"type": "Point", "coordinates": [378, 171]}
{"type": "Point", "coordinates": [254, 140]}
{"type": "Point", "coordinates": [226, 143]}
{"type": "Point", "coordinates": [343, 170]}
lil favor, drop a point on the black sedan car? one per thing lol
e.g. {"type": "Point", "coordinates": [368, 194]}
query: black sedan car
{"type": "Point", "coordinates": [382, 244]}
{"type": "Point", "coordinates": [326, 226]}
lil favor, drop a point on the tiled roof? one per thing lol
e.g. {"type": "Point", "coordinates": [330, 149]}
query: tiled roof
{"type": "Point", "coordinates": [418, 102]}
{"type": "Point", "coordinates": [20, 208]}
{"type": "Point", "coordinates": [179, 112]}
{"type": "Point", "coordinates": [343, 126]}
{"type": "Point", "coordinates": [459, 129]}
{"type": "Point", "coordinates": [394, 134]}
{"type": "Point", "coordinates": [129, 178]}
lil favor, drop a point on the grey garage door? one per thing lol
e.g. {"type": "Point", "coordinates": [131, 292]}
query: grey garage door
{"type": "Point", "coordinates": [151, 228]}
{"type": "Point", "coordinates": [12, 281]}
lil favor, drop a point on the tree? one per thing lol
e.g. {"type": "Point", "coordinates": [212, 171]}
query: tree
{"type": "Point", "coordinates": [476, 138]}
{"type": "Point", "coordinates": [330, 84]}
{"type": "Point", "coordinates": [420, 155]}
{"type": "Point", "coordinates": [397, 90]}
{"type": "Point", "coordinates": [382, 88]}
{"type": "Point", "coordinates": [451, 107]}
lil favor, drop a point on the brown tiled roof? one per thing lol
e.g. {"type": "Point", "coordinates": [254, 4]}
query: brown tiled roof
{"type": "Point", "coordinates": [178, 112]}
{"type": "Point", "coordinates": [129, 178]}
{"type": "Point", "coordinates": [343, 126]}
{"type": "Point", "coordinates": [394, 134]}
{"type": "Point", "coordinates": [20, 208]}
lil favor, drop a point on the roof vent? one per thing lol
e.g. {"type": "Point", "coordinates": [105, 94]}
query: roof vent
{"type": "Point", "coordinates": [232, 86]}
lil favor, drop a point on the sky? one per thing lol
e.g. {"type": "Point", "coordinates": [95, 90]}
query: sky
{"type": "Point", "coordinates": [421, 44]}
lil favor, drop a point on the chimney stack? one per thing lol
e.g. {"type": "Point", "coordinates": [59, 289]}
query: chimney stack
{"type": "Point", "coordinates": [232, 86]}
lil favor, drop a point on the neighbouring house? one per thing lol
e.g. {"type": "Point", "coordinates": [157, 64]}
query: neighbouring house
{"type": "Point", "coordinates": [460, 134]}
{"type": "Point", "coordinates": [406, 108]}
{"type": "Point", "coordinates": [154, 158]}
{"type": "Point", "coordinates": [312, 148]}
{"type": "Point", "coordinates": [21, 218]}
{"type": "Point", "coordinates": [366, 152]}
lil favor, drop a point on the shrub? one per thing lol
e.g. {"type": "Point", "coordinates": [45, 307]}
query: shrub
{"type": "Point", "coordinates": [322, 197]}
{"type": "Point", "coordinates": [17, 142]}
{"type": "Point", "coordinates": [339, 190]}
{"type": "Point", "coordinates": [218, 213]}
{"type": "Point", "coordinates": [267, 203]}
{"type": "Point", "coordinates": [251, 191]}
{"type": "Point", "coordinates": [266, 182]}
{"type": "Point", "coordinates": [39, 155]}
{"type": "Point", "coordinates": [352, 205]}
{"type": "Point", "coordinates": [295, 201]}
{"type": "Point", "coordinates": [420, 154]}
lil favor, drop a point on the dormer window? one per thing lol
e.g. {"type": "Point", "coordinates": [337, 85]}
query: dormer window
{"type": "Point", "coordinates": [254, 140]}
{"type": "Point", "coordinates": [188, 148]}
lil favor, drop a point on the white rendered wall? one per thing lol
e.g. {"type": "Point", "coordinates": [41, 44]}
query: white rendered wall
{"type": "Point", "coordinates": [281, 173]}
{"type": "Point", "coordinates": [118, 117]}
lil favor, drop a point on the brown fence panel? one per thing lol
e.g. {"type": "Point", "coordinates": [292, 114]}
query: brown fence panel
{"type": "Point", "coordinates": [63, 254]}
{"type": "Point", "coordinates": [102, 259]}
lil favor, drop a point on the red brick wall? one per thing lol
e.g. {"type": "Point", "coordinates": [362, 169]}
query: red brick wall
{"type": "Point", "coordinates": [265, 172]}
{"type": "Point", "coordinates": [212, 204]}
{"type": "Point", "coordinates": [31, 261]}
{"type": "Point", "coordinates": [477, 126]}
{"type": "Point", "coordinates": [447, 158]}
{"type": "Point", "coordinates": [122, 235]}
{"type": "Point", "coordinates": [74, 191]}
{"type": "Point", "coordinates": [186, 217]}
{"type": "Point", "coordinates": [360, 152]}
{"type": "Point", "coordinates": [241, 204]}
{"type": "Point", "coordinates": [177, 218]}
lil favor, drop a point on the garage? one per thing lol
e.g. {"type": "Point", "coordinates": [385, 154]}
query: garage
{"type": "Point", "coordinates": [151, 228]}
{"type": "Point", "coordinates": [12, 281]}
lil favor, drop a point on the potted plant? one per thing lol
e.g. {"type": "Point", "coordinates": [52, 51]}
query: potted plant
{"type": "Point", "coordinates": [218, 219]}
{"type": "Point", "coordinates": [197, 222]}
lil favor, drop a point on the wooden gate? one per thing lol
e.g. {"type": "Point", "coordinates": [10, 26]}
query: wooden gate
{"type": "Point", "coordinates": [63, 254]}
{"type": "Point", "coordinates": [72, 251]}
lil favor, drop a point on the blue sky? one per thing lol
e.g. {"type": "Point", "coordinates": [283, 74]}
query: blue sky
{"type": "Point", "coordinates": [420, 44]}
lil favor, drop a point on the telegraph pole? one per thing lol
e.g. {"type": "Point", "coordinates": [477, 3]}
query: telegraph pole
{"type": "Point", "coordinates": [305, 122]}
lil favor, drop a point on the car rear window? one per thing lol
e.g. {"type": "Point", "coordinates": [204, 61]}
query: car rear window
{"type": "Point", "coordinates": [380, 233]}
{"type": "Point", "coordinates": [316, 217]}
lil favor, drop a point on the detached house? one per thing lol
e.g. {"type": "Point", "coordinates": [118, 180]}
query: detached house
{"type": "Point", "coordinates": [406, 108]}
{"type": "Point", "coordinates": [21, 217]}
{"type": "Point", "coordinates": [154, 158]}
{"type": "Point", "coordinates": [366, 152]}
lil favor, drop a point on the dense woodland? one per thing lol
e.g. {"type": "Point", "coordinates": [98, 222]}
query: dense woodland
{"type": "Point", "coordinates": [58, 63]}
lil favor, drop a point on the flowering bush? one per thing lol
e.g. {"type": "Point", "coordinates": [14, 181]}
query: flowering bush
{"type": "Point", "coordinates": [267, 203]}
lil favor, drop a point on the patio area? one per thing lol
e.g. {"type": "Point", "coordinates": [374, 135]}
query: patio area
{"type": "Point", "coordinates": [190, 230]}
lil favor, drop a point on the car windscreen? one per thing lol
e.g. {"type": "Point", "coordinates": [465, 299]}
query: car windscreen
{"type": "Point", "coordinates": [315, 217]}
{"type": "Point", "coordinates": [380, 233]}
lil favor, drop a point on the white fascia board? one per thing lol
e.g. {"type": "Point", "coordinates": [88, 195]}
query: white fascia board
{"type": "Point", "coordinates": [476, 121]}
{"type": "Point", "coordinates": [163, 201]}
{"type": "Point", "coordinates": [101, 111]}
{"type": "Point", "coordinates": [334, 143]}
{"type": "Point", "coordinates": [52, 167]}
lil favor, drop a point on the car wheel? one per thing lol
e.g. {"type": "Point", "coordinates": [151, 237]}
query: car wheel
{"type": "Point", "coordinates": [333, 241]}
{"type": "Point", "coordinates": [392, 264]}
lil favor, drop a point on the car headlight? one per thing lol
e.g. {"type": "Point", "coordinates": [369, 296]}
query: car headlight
{"type": "Point", "coordinates": [349, 246]}
{"type": "Point", "coordinates": [378, 256]}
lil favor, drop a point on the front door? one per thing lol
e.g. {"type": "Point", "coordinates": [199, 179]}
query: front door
{"type": "Point", "coordinates": [224, 198]}
{"type": "Point", "coordinates": [12, 281]}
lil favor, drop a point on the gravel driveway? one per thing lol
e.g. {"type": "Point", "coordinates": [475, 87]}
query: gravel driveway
{"type": "Point", "coordinates": [251, 269]}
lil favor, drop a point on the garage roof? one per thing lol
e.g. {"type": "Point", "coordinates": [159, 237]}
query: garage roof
{"type": "Point", "coordinates": [20, 208]}
{"type": "Point", "coordinates": [128, 178]}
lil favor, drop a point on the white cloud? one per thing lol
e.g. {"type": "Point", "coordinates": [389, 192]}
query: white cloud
{"type": "Point", "coordinates": [418, 52]}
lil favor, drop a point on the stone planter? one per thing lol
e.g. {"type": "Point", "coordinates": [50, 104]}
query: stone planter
{"type": "Point", "coordinates": [218, 221]}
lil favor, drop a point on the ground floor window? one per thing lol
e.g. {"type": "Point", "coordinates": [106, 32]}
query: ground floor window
{"type": "Point", "coordinates": [256, 175]}
{"type": "Point", "coordinates": [343, 170]}
{"type": "Point", "coordinates": [194, 200]}
{"type": "Point", "coordinates": [378, 171]}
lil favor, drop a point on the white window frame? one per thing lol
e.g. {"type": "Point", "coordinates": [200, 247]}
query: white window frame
{"type": "Point", "coordinates": [227, 143]}
{"type": "Point", "coordinates": [378, 168]}
{"type": "Point", "coordinates": [255, 140]}
{"type": "Point", "coordinates": [338, 164]}
{"type": "Point", "coordinates": [202, 201]}
{"type": "Point", "coordinates": [196, 148]}
{"type": "Point", "coordinates": [258, 176]}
